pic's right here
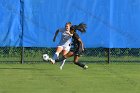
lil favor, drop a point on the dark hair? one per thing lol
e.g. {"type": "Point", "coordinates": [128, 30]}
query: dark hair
{"type": "Point", "coordinates": [81, 27]}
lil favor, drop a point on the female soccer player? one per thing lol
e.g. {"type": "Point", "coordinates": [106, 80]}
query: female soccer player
{"type": "Point", "coordinates": [78, 46]}
{"type": "Point", "coordinates": [64, 44]}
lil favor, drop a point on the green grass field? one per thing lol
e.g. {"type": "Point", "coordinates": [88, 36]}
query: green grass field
{"type": "Point", "coordinates": [47, 78]}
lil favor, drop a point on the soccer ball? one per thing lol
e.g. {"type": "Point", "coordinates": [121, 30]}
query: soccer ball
{"type": "Point", "coordinates": [46, 57]}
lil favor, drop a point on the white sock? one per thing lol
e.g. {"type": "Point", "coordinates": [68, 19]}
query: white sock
{"type": "Point", "coordinates": [55, 56]}
{"type": "Point", "coordinates": [62, 64]}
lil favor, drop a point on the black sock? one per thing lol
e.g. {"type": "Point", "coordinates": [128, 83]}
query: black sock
{"type": "Point", "coordinates": [60, 59]}
{"type": "Point", "coordinates": [79, 64]}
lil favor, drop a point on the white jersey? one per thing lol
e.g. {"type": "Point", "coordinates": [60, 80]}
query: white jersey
{"type": "Point", "coordinates": [65, 38]}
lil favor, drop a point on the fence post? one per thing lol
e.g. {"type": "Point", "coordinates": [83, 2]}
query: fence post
{"type": "Point", "coordinates": [22, 28]}
{"type": "Point", "coordinates": [22, 56]}
{"type": "Point", "coordinates": [108, 55]}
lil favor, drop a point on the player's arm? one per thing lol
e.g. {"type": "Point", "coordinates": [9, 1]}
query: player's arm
{"type": "Point", "coordinates": [56, 33]}
{"type": "Point", "coordinates": [81, 43]}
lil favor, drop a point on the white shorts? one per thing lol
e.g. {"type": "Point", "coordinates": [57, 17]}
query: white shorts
{"type": "Point", "coordinates": [67, 48]}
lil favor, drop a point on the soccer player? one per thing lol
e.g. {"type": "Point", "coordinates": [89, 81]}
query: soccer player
{"type": "Point", "coordinates": [78, 46]}
{"type": "Point", "coordinates": [65, 41]}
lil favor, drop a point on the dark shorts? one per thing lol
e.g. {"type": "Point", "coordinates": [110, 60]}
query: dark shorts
{"type": "Point", "coordinates": [77, 51]}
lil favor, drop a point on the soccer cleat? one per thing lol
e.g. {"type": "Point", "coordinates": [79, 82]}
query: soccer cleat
{"type": "Point", "coordinates": [61, 67]}
{"type": "Point", "coordinates": [85, 67]}
{"type": "Point", "coordinates": [51, 60]}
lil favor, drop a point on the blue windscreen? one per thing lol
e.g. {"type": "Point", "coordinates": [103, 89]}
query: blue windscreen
{"type": "Point", "coordinates": [32, 23]}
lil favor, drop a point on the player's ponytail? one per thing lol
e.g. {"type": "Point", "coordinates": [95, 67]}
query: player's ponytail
{"type": "Point", "coordinates": [81, 27]}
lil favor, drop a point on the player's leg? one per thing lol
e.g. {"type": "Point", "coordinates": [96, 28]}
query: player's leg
{"type": "Point", "coordinates": [69, 54]}
{"type": "Point", "coordinates": [64, 52]}
{"type": "Point", "coordinates": [58, 50]}
{"type": "Point", "coordinates": [76, 58]}
{"type": "Point", "coordinates": [62, 58]}
{"type": "Point", "coordinates": [63, 62]}
{"type": "Point", "coordinates": [56, 55]}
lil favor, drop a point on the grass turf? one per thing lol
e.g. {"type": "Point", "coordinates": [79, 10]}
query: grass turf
{"type": "Point", "coordinates": [47, 78]}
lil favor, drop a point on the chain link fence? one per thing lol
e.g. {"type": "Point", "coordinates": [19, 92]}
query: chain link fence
{"type": "Point", "coordinates": [10, 55]}
{"type": "Point", "coordinates": [94, 55]}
